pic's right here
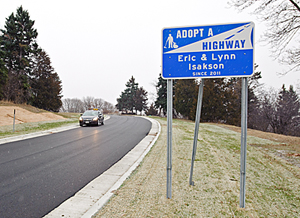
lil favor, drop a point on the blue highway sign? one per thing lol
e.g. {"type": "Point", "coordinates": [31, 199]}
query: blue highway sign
{"type": "Point", "coordinates": [210, 51]}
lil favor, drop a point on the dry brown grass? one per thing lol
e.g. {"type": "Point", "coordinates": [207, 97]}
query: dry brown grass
{"type": "Point", "coordinates": [24, 106]}
{"type": "Point", "coordinates": [288, 140]}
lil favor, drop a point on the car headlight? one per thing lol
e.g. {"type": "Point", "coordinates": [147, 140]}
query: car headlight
{"type": "Point", "coordinates": [80, 119]}
{"type": "Point", "coordinates": [95, 119]}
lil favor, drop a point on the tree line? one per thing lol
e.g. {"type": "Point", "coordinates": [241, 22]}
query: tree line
{"type": "Point", "coordinates": [26, 73]}
{"type": "Point", "coordinates": [268, 110]}
{"type": "Point", "coordinates": [75, 105]}
{"type": "Point", "coordinates": [272, 111]}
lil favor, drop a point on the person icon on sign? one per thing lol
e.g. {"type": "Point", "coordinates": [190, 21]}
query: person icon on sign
{"type": "Point", "coordinates": [170, 42]}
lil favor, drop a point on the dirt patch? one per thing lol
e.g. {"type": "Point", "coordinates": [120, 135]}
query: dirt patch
{"type": "Point", "coordinates": [24, 116]}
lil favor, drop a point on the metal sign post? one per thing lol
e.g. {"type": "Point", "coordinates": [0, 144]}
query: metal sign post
{"type": "Point", "coordinates": [244, 113]}
{"type": "Point", "coordinates": [169, 136]}
{"type": "Point", "coordinates": [14, 120]}
{"type": "Point", "coordinates": [197, 122]}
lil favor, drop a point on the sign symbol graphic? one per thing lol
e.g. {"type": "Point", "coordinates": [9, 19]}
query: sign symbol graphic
{"type": "Point", "coordinates": [170, 42]}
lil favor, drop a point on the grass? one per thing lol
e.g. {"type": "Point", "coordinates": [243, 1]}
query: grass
{"type": "Point", "coordinates": [272, 184]}
{"type": "Point", "coordinates": [287, 147]}
{"type": "Point", "coordinates": [25, 128]}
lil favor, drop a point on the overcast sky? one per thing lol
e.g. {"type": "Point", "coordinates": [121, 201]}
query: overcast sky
{"type": "Point", "coordinates": [96, 46]}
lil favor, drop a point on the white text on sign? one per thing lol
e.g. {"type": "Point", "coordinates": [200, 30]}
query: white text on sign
{"type": "Point", "coordinates": [192, 33]}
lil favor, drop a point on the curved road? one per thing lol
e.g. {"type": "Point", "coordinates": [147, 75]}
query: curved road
{"type": "Point", "coordinates": [38, 174]}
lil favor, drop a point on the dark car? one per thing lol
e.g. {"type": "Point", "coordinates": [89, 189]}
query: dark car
{"type": "Point", "coordinates": [91, 117]}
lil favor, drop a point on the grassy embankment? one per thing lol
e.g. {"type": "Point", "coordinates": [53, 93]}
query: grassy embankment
{"type": "Point", "coordinates": [272, 185]}
{"type": "Point", "coordinates": [30, 127]}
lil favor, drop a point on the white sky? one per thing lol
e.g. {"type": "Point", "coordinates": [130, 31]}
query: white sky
{"type": "Point", "coordinates": [96, 46]}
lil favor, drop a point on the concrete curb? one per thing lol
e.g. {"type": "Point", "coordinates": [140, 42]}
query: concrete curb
{"type": "Point", "coordinates": [90, 199]}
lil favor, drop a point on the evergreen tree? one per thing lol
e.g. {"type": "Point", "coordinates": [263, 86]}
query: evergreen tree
{"type": "Point", "coordinates": [185, 100]}
{"type": "Point", "coordinates": [288, 109]}
{"type": "Point", "coordinates": [19, 44]}
{"type": "Point", "coordinates": [141, 99]}
{"type": "Point", "coordinates": [215, 101]}
{"type": "Point", "coordinates": [151, 111]}
{"type": "Point", "coordinates": [231, 107]}
{"type": "Point", "coordinates": [294, 125]}
{"type": "Point", "coordinates": [254, 110]}
{"type": "Point", "coordinates": [3, 70]}
{"type": "Point", "coordinates": [130, 93]}
{"type": "Point", "coordinates": [122, 102]}
{"type": "Point", "coordinates": [161, 100]}
{"type": "Point", "coordinates": [45, 83]}
{"type": "Point", "coordinates": [235, 86]}
{"type": "Point", "coordinates": [132, 98]}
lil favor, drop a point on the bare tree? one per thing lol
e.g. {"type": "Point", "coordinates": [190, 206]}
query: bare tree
{"type": "Point", "coordinates": [108, 108]}
{"type": "Point", "coordinates": [280, 112]}
{"type": "Point", "coordinates": [298, 87]}
{"type": "Point", "coordinates": [88, 102]}
{"type": "Point", "coordinates": [98, 103]}
{"type": "Point", "coordinates": [267, 113]}
{"type": "Point", "coordinates": [283, 21]}
{"type": "Point", "coordinates": [66, 104]}
{"type": "Point", "coordinates": [73, 105]}
{"type": "Point", "coordinates": [78, 106]}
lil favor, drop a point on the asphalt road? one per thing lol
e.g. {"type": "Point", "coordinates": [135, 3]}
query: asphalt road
{"type": "Point", "coordinates": [38, 174]}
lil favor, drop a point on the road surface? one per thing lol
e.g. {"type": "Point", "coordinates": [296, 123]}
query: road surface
{"type": "Point", "coordinates": [38, 174]}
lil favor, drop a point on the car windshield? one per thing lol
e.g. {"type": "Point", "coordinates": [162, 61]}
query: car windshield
{"type": "Point", "coordinates": [90, 113]}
